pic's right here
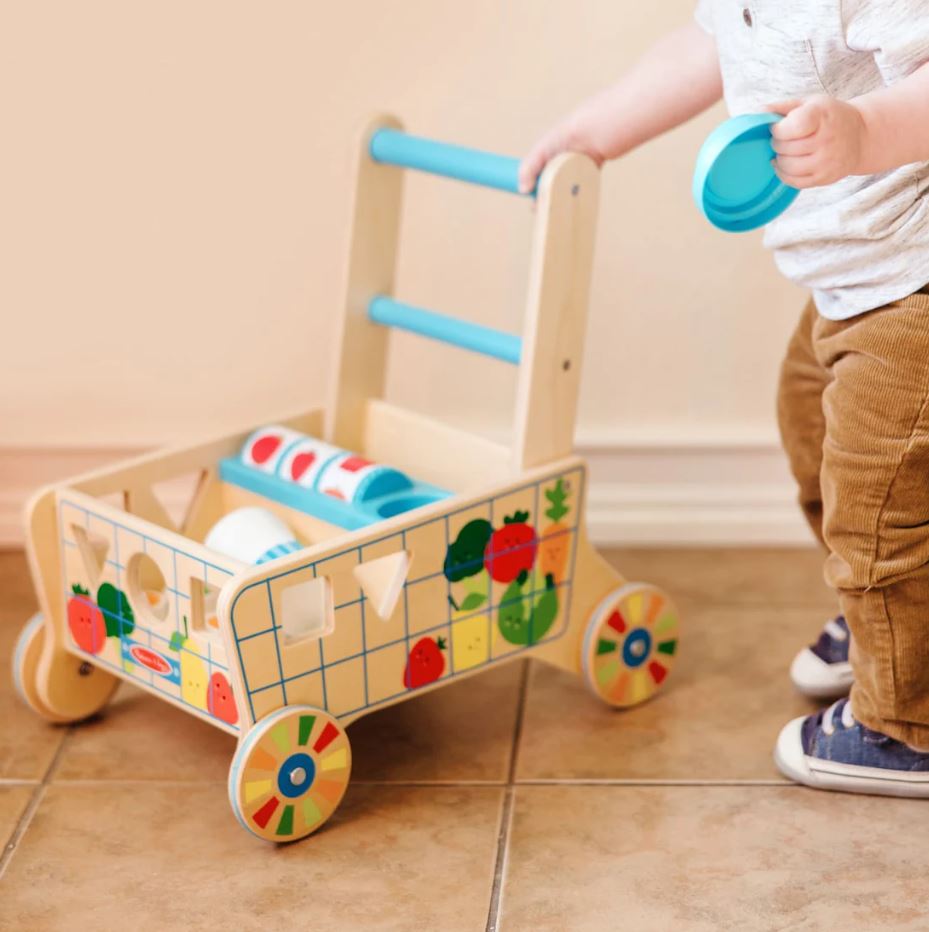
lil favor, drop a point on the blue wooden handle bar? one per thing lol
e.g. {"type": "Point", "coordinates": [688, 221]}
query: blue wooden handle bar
{"type": "Point", "coordinates": [474, 337]}
{"type": "Point", "coordinates": [441, 158]}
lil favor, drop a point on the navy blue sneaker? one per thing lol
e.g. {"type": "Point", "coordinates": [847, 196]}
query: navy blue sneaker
{"type": "Point", "coordinates": [822, 670]}
{"type": "Point", "coordinates": [832, 751]}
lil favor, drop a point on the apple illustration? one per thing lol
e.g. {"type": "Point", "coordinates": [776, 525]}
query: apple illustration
{"type": "Point", "coordinates": [220, 699]}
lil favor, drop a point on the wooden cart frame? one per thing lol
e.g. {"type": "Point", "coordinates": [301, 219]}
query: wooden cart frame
{"type": "Point", "coordinates": [286, 654]}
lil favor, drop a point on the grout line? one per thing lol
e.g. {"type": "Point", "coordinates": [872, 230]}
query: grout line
{"type": "Point", "coordinates": [130, 781]}
{"type": "Point", "coordinates": [25, 820]}
{"type": "Point", "coordinates": [506, 812]}
{"type": "Point", "coordinates": [503, 840]}
{"type": "Point", "coordinates": [494, 784]}
{"type": "Point", "coordinates": [518, 730]}
{"type": "Point", "coordinates": [619, 781]}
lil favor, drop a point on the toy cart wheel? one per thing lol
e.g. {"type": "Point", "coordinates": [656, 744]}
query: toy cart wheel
{"type": "Point", "coordinates": [630, 644]}
{"type": "Point", "coordinates": [84, 694]}
{"type": "Point", "coordinates": [26, 654]}
{"type": "Point", "coordinates": [289, 773]}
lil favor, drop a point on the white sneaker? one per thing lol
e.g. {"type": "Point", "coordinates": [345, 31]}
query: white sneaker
{"type": "Point", "coordinates": [831, 750]}
{"type": "Point", "coordinates": [822, 670]}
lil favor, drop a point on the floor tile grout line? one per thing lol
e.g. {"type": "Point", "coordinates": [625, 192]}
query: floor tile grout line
{"type": "Point", "coordinates": [38, 794]}
{"type": "Point", "coordinates": [503, 850]}
{"type": "Point", "coordinates": [506, 809]}
{"type": "Point", "coordinates": [131, 781]}
{"type": "Point", "coordinates": [656, 781]}
{"type": "Point", "coordinates": [437, 784]}
{"type": "Point", "coordinates": [518, 729]}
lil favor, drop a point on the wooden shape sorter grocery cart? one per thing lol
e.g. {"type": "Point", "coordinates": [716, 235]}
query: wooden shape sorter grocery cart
{"type": "Point", "coordinates": [460, 555]}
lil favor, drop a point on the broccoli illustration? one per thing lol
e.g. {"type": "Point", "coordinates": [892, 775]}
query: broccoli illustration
{"type": "Point", "coordinates": [465, 557]}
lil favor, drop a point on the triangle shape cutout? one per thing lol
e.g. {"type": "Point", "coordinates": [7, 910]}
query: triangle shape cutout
{"type": "Point", "coordinates": [382, 580]}
{"type": "Point", "coordinates": [177, 494]}
{"type": "Point", "coordinates": [93, 550]}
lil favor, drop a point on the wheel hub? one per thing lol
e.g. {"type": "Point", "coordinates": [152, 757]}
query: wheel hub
{"type": "Point", "coordinates": [296, 775]}
{"type": "Point", "coordinates": [637, 647]}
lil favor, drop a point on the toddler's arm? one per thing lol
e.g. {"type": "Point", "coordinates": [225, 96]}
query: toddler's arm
{"type": "Point", "coordinates": [674, 80]}
{"type": "Point", "coordinates": [821, 140]}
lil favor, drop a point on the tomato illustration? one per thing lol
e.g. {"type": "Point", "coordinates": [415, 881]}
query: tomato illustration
{"type": "Point", "coordinates": [511, 548]}
{"type": "Point", "coordinates": [426, 663]}
{"type": "Point", "coordinates": [85, 621]}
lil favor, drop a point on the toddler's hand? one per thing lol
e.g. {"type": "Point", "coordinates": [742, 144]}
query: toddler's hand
{"type": "Point", "coordinates": [819, 141]}
{"type": "Point", "coordinates": [566, 137]}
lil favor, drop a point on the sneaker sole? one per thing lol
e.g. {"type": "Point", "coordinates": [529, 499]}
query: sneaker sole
{"type": "Point", "coordinates": [816, 679]}
{"type": "Point", "coordinates": [842, 778]}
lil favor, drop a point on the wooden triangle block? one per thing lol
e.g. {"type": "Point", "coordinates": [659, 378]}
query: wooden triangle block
{"type": "Point", "coordinates": [382, 580]}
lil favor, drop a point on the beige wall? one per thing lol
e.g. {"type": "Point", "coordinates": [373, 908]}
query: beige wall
{"type": "Point", "coordinates": [175, 188]}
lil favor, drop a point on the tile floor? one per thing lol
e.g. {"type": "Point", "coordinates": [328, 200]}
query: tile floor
{"type": "Point", "coordinates": [522, 806]}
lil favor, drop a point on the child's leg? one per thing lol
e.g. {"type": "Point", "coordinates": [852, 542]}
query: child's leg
{"type": "Point", "coordinates": [820, 670]}
{"type": "Point", "coordinates": [800, 416]}
{"type": "Point", "coordinates": [875, 489]}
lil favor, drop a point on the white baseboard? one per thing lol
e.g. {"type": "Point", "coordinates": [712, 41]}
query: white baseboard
{"type": "Point", "coordinates": [645, 490]}
{"type": "Point", "coordinates": [729, 489]}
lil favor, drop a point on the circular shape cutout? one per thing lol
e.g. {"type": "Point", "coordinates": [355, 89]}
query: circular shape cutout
{"type": "Point", "coordinates": [148, 591]}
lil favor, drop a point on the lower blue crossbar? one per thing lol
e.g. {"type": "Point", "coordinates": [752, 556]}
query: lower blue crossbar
{"type": "Point", "coordinates": [474, 337]}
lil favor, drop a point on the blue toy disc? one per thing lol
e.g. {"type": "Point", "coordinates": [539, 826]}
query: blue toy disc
{"type": "Point", "coordinates": [735, 186]}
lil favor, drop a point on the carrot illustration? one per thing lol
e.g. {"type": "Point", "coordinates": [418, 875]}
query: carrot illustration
{"type": "Point", "coordinates": [555, 542]}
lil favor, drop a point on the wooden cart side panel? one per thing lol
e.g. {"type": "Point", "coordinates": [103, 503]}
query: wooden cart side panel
{"type": "Point", "coordinates": [138, 601]}
{"type": "Point", "coordinates": [594, 579]}
{"type": "Point", "coordinates": [479, 590]}
{"type": "Point", "coordinates": [64, 694]}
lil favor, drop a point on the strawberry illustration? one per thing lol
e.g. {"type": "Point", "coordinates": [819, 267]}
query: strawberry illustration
{"type": "Point", "coordinates": [511, 549]}
{"type": "Point", "coordinates": [426, 663]}
{"type": "Point", "coordinates": [85, 621]}
{"type": "Point", "coordinates": [220, 700]}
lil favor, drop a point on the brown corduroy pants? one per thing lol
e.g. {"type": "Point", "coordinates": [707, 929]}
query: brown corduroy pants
{"type": "Point", "coordinates": [853, 408]}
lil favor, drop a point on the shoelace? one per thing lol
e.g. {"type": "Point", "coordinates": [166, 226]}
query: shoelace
{"type": "Point", "coordinates": [847, 719]}
{"type": "Point", "coordinates": [835, 630]}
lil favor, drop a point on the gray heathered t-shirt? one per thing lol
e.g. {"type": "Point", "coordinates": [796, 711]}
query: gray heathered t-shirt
{"type": "Point", "coordinates": [863, 241]}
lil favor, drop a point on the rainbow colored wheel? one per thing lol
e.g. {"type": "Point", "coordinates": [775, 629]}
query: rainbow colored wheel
{"type": "Point", "coordinates": [630, 644]}
{"type": "Point", "coordinates": [289, 773]}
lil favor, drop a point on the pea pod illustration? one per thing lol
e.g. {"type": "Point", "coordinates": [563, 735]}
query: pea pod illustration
{"type": "Point", "coordinates": [514, 626]}
{"type": "Point", "coordinates": [544, 612]}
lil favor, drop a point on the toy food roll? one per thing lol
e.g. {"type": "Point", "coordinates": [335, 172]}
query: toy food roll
{"type": "Point", "coordinates": [266, 447]}
{"type": "Point", "coordinates": [314, 464]}
{"type": "Point", "coordinates": [252, 535]}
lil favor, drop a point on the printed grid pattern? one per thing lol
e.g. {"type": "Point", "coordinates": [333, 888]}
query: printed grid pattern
{"type": "Point", "coordinates": [213, 577]}
{"type": "Point", "coordinates": [362, 658]}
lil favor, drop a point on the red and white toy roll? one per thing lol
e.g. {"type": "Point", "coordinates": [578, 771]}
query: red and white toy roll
{"type": "Point", "coordinates": [266, 447]}
{"type": "Point", "coordinates": [346, 476]}
{"type": "Point", "coordinates": [305, 459]}
{"type": "Point", "coordinates": [314, 464]}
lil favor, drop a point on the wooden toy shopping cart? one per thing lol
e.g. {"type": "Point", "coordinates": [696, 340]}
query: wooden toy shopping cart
{"type": "Point", "coordinates": [461, 555]}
